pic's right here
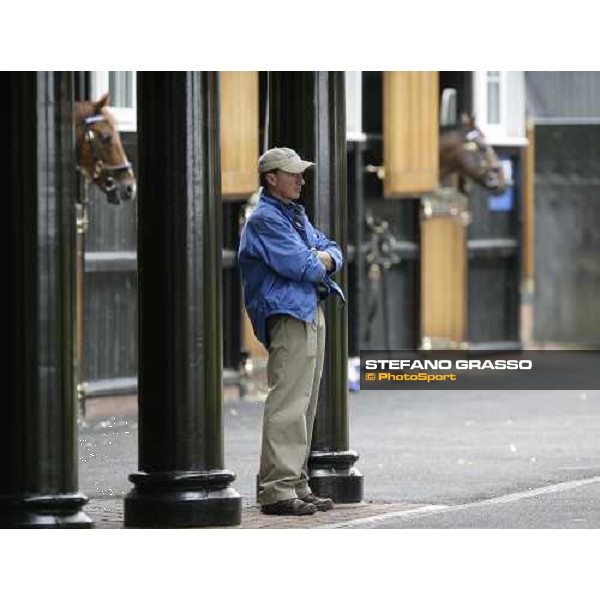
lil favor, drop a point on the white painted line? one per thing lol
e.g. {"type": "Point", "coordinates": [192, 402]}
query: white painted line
{"type": "Point", "coordinates": [424, 511]}
{"type": "Point", "coordinates": [401, 515]}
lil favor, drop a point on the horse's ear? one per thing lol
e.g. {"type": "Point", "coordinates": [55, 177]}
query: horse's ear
{"type": "Point", "coordinates": [468, 121]}
{"type": "Point", "coordinates": [100, 104]}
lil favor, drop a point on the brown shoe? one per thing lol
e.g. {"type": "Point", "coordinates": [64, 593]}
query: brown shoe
{"type": "Point", "coordinates": [320, 503]}
{"type": "Point", "coordinates": [293, 507]}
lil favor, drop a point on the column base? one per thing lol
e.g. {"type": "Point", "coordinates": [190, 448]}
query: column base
{"type": "Point", "coordinates": [333, 475]}
{"type": "Point", "coordinates": [183, 499]}
{"type": "Point", "coordinates": [48, 511]}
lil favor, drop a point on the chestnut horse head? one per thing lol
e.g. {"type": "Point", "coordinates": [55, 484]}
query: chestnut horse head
{"type": "Point", "coordinates": [100, 154]}
{"type": "Point", "coordinates": [465, 151]}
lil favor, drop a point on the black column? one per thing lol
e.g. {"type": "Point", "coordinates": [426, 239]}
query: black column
{"type": "Point", "coordinates": [307, 113]}
{"type": "Point", "coordinates": [38, 429]}
{"type": "Point", "coordinates": [182, 482]}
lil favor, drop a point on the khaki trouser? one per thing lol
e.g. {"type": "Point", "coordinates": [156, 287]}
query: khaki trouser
{"type": "Point", "coordinates": [296, 354]}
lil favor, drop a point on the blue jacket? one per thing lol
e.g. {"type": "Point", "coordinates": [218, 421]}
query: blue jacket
{"type": "Point", "coordinates": [279, 271]}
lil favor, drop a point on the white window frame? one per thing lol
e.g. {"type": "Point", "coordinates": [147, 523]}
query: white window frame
{"type": "Point", "coordinates": [499, 134]}
{"type": "Point", "coordinates": [354, 130]}
{"type": "Point", "coordinates": [126, 116]}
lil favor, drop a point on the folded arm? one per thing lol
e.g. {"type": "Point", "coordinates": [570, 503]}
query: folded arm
{"type": "Point", "coordinates": [278, 245]}
{"type": "Point", "coordinates": [328, 252]}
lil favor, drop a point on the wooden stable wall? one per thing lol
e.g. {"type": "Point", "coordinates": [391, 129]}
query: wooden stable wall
{"type": "Point", "coordinates": [411, 160]}
{"type": "Point", "coordinates": [239, 160]}
{"type": "Point", "coordinates": [567, 234]}
{"type": "Point", "coordinates": [529, 206]}
{"type": "Point", "coordinates": [410, 132]}
{"type": "Point", "coordinates": [107, 275]}
{"type": "Point", "coordinates": [239, 133]}
{"type": "Point", "coordinates": [250, 343]}
{"type": "Point", "coordinates": [443, 279]}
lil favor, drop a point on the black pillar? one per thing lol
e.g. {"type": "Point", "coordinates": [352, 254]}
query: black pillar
{"type": "Point", "coordinates": [307, 113]}
{"type": "Point", "coordinates": [38, 429]}
{"type": "Point", "coordinates": [181, 480]}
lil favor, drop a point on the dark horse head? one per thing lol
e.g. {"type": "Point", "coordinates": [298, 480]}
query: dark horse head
{"type": "Point", "coordinates": [100, 154]}
{"type": "Point", "coordinates": [465, 151]}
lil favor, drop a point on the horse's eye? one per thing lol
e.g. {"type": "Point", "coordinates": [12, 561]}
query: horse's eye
{"type": "Point", "coordinates": [106, 138]}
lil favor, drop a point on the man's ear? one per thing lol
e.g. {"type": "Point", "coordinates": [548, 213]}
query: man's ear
{"type": "Point", "coordinates": [271, 178]}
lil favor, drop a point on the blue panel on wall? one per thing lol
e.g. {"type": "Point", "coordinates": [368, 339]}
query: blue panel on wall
{"type": "Point", "coordinates": [505, 201]}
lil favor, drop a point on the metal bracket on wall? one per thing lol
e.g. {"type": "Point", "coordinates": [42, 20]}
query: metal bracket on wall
{"type": "Point", "coordinates": [379, 170]}
{"type": "Point", "coordinates": [429, 343]}
{"type": "Point", "coordinates": [82, 217]}
{"type": "Point", "coordinates": [446, 202]}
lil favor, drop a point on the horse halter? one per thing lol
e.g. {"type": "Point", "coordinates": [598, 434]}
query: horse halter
{"type": "Point", "coordinates": [102, 174]}
{"type": "Point", "coordinates": [474, 141]}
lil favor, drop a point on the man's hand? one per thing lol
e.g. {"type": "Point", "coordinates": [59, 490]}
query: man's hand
{"type": "Point", "coordinates": [326, 259]}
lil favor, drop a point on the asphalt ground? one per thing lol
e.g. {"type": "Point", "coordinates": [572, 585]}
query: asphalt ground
{"type": "Point", "coordinates": [438, 449]}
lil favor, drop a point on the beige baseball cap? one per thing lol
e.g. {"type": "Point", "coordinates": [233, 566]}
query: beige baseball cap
{"type": "Point", "coordinates": [285, 159]}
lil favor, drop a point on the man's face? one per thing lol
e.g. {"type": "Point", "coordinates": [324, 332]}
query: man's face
{"type": "Point", "coordinates": [285, 186]}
